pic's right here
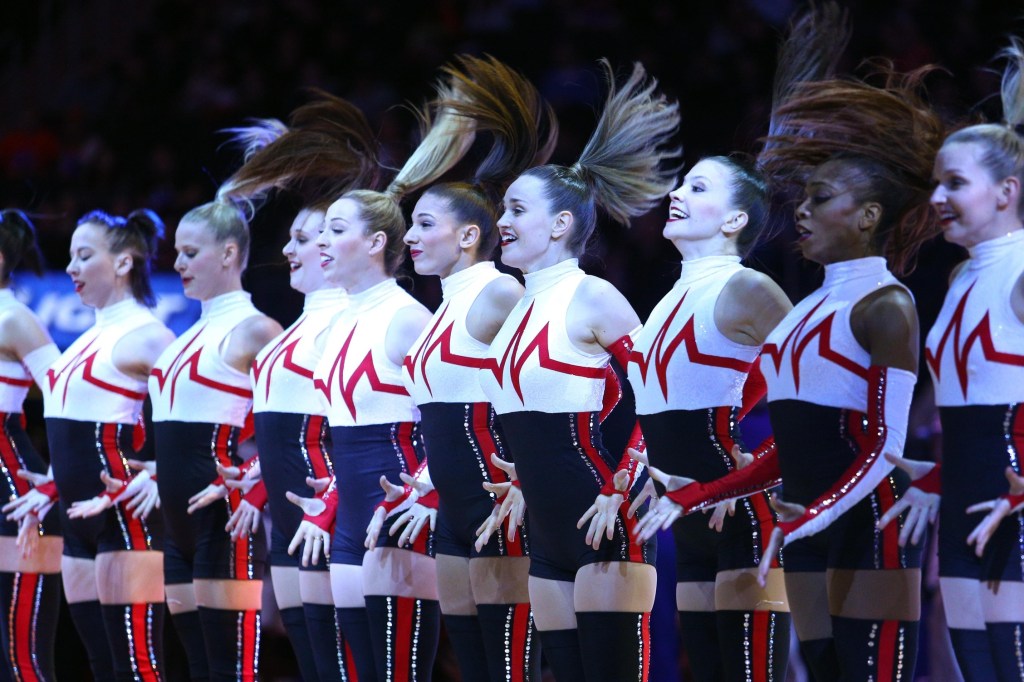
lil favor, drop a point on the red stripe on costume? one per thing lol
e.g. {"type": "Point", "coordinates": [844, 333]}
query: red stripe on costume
{"type": "Point", "coordinates": [11, 461]}
{"type": "Point", "coordinates": [887, 643]}
{"type": "Point", "coordinates": [114, 461]}
{"type": "Point", "coordinates": [759, 647]}
{"type": "Point", "coordinates": [520, 634]}
{"type": "Point", "coordinates": [250, 640]}
{"type": "Point", "coordinates": [890, 535]}
{"type": "Point", "coordinates": [645, 646]}
{"type": "Point", "coordinates": [480, 418]}
{"type": "Point", "coordinates": [405, 616]}
{"type": "Point", "coordinates": [586, 443]}
{"type": "Point", "coordinates": [20, 383]}
{"type": "Point", "coordinates": [222, 438]}
{"type": "Point", "coordinates": [349, 663]}
{"type": "Point", "coordinates": [765, 522]}
{"type": "Point", "coordinates": [723, 430]}
{"type": "Point", "coordinates": [410, 463]}
{"type": "Point", "coordinates": [316, 454]}
{"type": "Point", "coordinates": [20, 623]}
{"type": "Point", "coordinates": [144, 665]}
{"type": "Point", "coordinates": [1016, 434]}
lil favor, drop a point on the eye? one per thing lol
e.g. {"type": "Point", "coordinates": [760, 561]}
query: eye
{"type": "Point", "coordinates": [955, 183]}
{"type": "Point", "coordinates": [697, 187]}
{"type": "Point", "coordinates": [517, 211]}
{"type": "Point", "coordinates": [819, 199]}
{"type": "Point", "coordinates": [301, 240]}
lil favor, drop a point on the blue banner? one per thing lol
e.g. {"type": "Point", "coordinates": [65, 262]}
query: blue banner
{"type": "Point", "coordinates": [54, 300]}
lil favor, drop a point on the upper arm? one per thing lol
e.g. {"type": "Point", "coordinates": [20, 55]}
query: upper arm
{"type": "Point", "coordinates": [137, 352]}
{"type": "Point", "coordinates": [750, 306]}
{"type": "Point", "coordinates": [491, 308]}
{"type": "Point", "coordinates": [598, 316]}
{"type": "Point", "coordinates": [885, 324]}
{"type": "Point", "coordinates": [247, 339]}
{"type": "Point", "coordinates": [406, 326]}
{"type": "Point", "coordinates": [1017, 299]}
{"type": "Point", "coordinates": [22, 332]}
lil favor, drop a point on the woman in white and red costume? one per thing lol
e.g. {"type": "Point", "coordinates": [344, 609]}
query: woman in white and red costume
{"type": "Point", "coordinates": [546, 374]}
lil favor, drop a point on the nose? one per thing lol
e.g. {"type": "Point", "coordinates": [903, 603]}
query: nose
{"type": "Point", "coordinates": [503, 220]}
{"type": "Point", "coordinates": [179, 263]}
{"type": "Point", "coordinates": [321, 240]}
{"type": "Point", "coordinates": [289, 248]}
{"type": "Point", "coordinates": [412, 235]}
{"type": "Point", "coordinates": [804, 209]}
{"type": "Point", "coordinates": [676, 194]}
{"type": "Point", "coordinates": [938, 195]}
{"type": "Point", "coordinates": [71, 268]}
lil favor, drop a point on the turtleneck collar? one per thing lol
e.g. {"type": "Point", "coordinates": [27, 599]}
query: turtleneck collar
{"type": "Point", "coordinates": [369, 297]}
{"type": "Point", "coordinates": [225, 302]}
{"type": "Point", "coordinates": [119, 312]}
{"type": "Point", "coordinates": [844, 271]}
{"type": "Point", "coordinates": [992, 250]}
{"type": "Point", "coordinates": [459, 281]}
{"type": "Point", "coordinates": [540, 280]}
{"type": "Point", "coordinates": [696, 268]}
{"type": "Point", "coordinates": [322, 299]}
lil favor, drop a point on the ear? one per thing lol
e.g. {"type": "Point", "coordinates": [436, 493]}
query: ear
{"type": "Point", "coordinates": [378, 242]}
{"type": "Point", "coordinates": [871, 213]}
{"type": "Point", "coordinates": [735, 222]}
{"type": "Point", "coordinates": [469, 235]}
{"type": "Point", "coordinates": [123, 263]}
{"type": "Point", "coordinates": [1009, 193]}
{"type": "Point", "coordinates": [230, 254]}
{"type": "Point", "coordinates": [563, 224]}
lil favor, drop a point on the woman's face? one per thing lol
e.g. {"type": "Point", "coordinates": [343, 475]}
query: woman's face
{"type": "Point", "coordinates": [344, 244]}
{"type": "Point", "coordinates": [526, 224]}
{"type": "Point", "coordinates": [305, 273]}
{"type": "Point", "coordinates": [99, 276]}
{"type": "Point", "coordinates": [966, 197]}
{"type": "Point", "coordinates": [700, 207]}
{"type": "Point", "coordinates": [206, 267]}
{"type": "Point", "coordinates": [434, 237]}
{"type": "Point", "coordinates": [832, 224]}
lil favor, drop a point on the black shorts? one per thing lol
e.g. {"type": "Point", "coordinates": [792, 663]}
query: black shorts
{"type": "Point", "coordinates": [197, 545]}
{"type": "Point", "coordinates": [978, 443]}
{"type": "Point", "coordinates": [562, 466]}
{"type": "Point", "coordinates": [697, 444]}
{"type": "Point", "coordinates": [79, 452]}
{"type": "Point", "coordinates": [291, 447]}
{"type": "Point", "coordinates": [460, 439]}
{"type": "Point", "coordinates": [361, 455]}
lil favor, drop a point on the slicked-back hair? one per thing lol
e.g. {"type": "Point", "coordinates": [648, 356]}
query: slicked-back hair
{"type": "Point", "coordinates": [623, 168]}
{"type": "Point", "coordinates": [138, 235]}
{"type": "Point", "coordinates": [226, 222]}
{"type": "Point", "coordinates": [18, 244]}
{"type": "Point", "coordinates": [1002, 145]}
{"type": "Point", "coordinates": [748, 193]}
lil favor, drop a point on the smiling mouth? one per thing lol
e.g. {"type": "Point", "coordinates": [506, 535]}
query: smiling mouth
{"type": "Point", "coordinates": [946, 217]}
{"type": "Point", "coordinates": [677, 214]}
{"type": "Point", "coordinates": [325, 260]}
{"type": "Point", "coordinates": [78, 286]}
{"type": "Point", "coordinates": [507, 239]}
{"type": "Point", "coordinates": [293, 266]}
{"type": "Point", "coordinates": [415, 253]}
{"type": "Point", "coordinates": [802, 232]}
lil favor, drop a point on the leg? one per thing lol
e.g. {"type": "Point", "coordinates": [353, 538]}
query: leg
{"type": "Point", "coordinates": [400, 588]}
{"type": "Point", "coordinates": [965, 618]}
{"type": "Point", "coordinates": [131, 589]}
{"type": "Point", "coordinates": [289, 602]}
{"type": "Point", "coordinates": [555, 617]}
{"type": "Point", "coordinates": [353, 621]}
{"type": "Point", "coordinates": [79, 577]}
{"type": "Point", "coordinates": [229, 611]}
{"type": "Point", "coordinates": [696, 564]}
{"type": "Point", "coordinates": [334, 658]}
{"type": "Point", "coordinates": [30, 598]}
{"type": "Point", "coordinates": [501, 590]}
{"type": "Point", "coordinates": [613, 601]}
{"type": "Point", "coordinates": [1001, 594]}
{"type": "Point", "coordinates": [753, 624]}
{"type": "Point", "coordinates": [461, 621]}
{"type": "Point", "coordinates": [181, 604]}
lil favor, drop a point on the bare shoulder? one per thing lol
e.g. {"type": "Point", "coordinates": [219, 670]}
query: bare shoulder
{"type": "Point", "coordinates": [885, 323]}
{"type": "Point", "coordinates": [21, 332]}
{"type": "Point", "coordinates": [502, 293]}
{"type": "Point", "coordinates": [137, 352]}
{"type": "Point", "coordinates": [406, 326]}
{"type": "Point", "coordinates": [750, 306]}
{"type": "Point", "coordinates": [599, 315]}
{"type": "Point", "coordinates": [248, 338]}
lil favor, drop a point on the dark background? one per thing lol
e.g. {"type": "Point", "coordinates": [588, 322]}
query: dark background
{"type": "Point", "coordinates": [117, 104]}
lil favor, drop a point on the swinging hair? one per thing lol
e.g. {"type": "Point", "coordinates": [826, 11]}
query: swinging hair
{"type": "Point", "coordinates": [623, 166]}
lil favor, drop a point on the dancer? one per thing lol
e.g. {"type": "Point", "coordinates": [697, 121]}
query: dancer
{"type": "Point", "coordinates": [545, 375]}
{"type": "Point", "coordinates": [113, 559]}
{"type": "Point", "coordinates": [292, 434]}
{"type": "Point", "coordinates": [974, 354]}
{"type": "Point", "coordinates": [30, 542]}
{"type": "Point", "coordinates": [482, 589]}
{"type": "Point", "coordinates": [201, 397]}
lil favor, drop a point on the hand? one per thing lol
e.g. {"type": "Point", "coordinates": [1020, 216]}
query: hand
{"type": "Point", "coordinates": [661, 516]}
{"type": "Point", "coordinates": [923, 507]}
{"type": "Point", "coordinates": [718, 514]}
{"type": "Point", "coordinates": [207, 496]}
{"type": "Point", "coordinates": [739, 458]}
{"type": "Point", "coordinates": [786, 511]}
{"type": "Point", "coordinates": [32, 502]}
{"type": "Point", "coordinates": [148, 466]}
{"type": "Point", "coordinates": [997, 509]}
{"type": "Point", "coordinates": [648, 492]}
{"type": "Point", "coordinates": [314, 539]}
{"type": "Point", "coordinates": [512, 505]}
{"type": "Point", "coordinates": [670, 482]}
{"type": "Point", "coordinates": [28, 535]}
{"type": "Point", "coordinates": [604, 513]}
{"type": "Point", "coordinates": [244, 484]}
{"type": "Point", "coordinates": [141, 496]}
{"type": "Point", "coordinates": [414, 519]}
{"type": "Point", "coordinates": [244, 520]}
{"type": "Point", "coordinates": [638, 456]}
{"type": "Point", "coordinates": [392, 493]}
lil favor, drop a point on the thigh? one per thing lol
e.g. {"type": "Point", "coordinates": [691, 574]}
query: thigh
{"type": "Point", "coordinates": [454, 590]}
{"type": "Point", "coordinates": [500, 580]}
{"type": "Point", "coordinates": [552, 601]}
{"type": "Point", "coordinates": [130, 577]}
